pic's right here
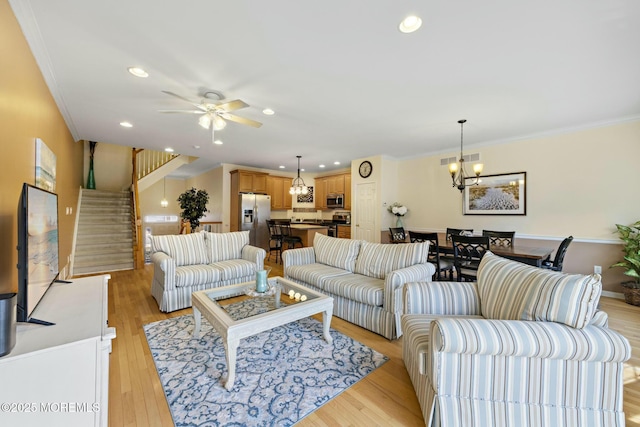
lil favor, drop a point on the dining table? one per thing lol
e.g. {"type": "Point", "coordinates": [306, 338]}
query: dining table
{"type": "Point", "coordinates": [532, 255]}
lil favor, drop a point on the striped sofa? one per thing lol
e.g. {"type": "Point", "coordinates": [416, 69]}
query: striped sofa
{"type": "Point", "coordinates": [364, 279]}
{"type": "Point", "coordinates": [521, 347]}
{"type": "Point", "coordinates": [185, 263]}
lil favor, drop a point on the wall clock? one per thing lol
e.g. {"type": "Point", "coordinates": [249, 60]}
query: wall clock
{"type": "Point", "coordinates": [365, 169]}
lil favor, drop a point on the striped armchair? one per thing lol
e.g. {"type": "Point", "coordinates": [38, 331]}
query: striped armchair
{"type": "Point", "coordinates": [185, 263]}
{"type": "Point", "coordinates": [521, 347]}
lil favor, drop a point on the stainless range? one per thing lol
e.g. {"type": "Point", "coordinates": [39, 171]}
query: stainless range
{"type": "Point", "coordinates": [337, 219]}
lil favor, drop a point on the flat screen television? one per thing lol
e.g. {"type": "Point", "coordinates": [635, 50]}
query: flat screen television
{"type": "Point", "coordinates": [37, 249]}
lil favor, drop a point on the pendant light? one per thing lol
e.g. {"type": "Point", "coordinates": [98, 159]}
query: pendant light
{"type": "Point", "coordinates": [298, 186]}
{"type": "Point", "coordinates": [164, 202]}
{"type": "Point", "coordinates": [458, 173]}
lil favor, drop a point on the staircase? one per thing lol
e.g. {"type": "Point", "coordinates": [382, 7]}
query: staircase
{"type": "Point", "coordinates": [104, 238]}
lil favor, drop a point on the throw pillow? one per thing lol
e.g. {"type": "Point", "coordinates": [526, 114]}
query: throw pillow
{"type": "Point", "coordinates": [226, 246]}
{"type": "Point", "coordinates": [338, 253]}
{"type": "Point", "coordinates": [511, 290]}
{"type": "Point", "coordinates": [185, 249]}
{"type": "Point", "coordinates": [379, 259]}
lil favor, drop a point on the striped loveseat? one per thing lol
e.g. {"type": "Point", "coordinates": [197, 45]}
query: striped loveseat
{"type": "Point", "coordinates": [185, 263]}
{"type": "Point", "coordinates": [365, 279]}
{"type": "Point", "coordinates": [521, 347]}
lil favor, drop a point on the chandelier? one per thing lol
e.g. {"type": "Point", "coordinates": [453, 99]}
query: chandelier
{"type": "Point", "coordinates": [458, 173]}
{"type": "Point", "coordinates": [298, 186]}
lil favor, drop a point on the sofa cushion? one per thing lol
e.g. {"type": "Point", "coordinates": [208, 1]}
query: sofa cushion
{"type": "Point", "coordinates": [190, 275]}
{"type": "Point", "coordinates": [235, 268]}
{"type": "Point", "coordinates": [314, 274]}
{"type": "Point", "coordinates": [511, 290]}
{"type": "Point", "coordinates": [339, 253]}
{"type": "Point", "coordinates": [185, 249]}
{"type": "Point", "coordinates": [226, 246]}
{"type": "Point", "coordinates": [356, 287]}
{"type": "Point", "coordinates": [378, 259]}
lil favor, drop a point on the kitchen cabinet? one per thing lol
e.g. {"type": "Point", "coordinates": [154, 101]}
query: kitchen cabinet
{"type": "Point", "coordinates": [278, 188]}
{"type": "Point", "coordinates": [333, 184]}
{"type": "Point", "coordinates": [320, 191]}
{"type": "Point", "coordinates": [344, 231]}
{"type": "Point", "coordinates": [347, 194]}
{"type": "Point", "coordinates": [250, 181]}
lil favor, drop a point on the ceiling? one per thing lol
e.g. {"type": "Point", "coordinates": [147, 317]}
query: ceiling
{"type": "Point", "coordinates": [344, 82]}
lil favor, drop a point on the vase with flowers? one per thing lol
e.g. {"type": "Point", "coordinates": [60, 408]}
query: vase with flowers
{"type": "Point", "coordinates": [399, 210]}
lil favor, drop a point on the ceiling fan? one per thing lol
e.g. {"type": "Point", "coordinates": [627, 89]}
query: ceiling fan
{"type": "Point", "coordinates": [214, 113]}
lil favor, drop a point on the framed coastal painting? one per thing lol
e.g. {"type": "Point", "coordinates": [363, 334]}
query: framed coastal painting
{"type": "Point", "coordinates": [45, 167]}
{"type": "Point", "coordinates": [501, 194]}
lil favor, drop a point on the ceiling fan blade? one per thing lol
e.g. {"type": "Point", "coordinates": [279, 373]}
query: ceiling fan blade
{"type": "Point", "coordinates": [184, 99]}
{"type": "Point", "coordinates": [241, 120]}
{"type": "Point", "coordinates": [232, 105]}
{"type": "Point", "coordinates": [183, 111]}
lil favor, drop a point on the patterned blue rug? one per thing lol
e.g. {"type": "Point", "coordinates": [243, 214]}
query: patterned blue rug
{"type": "Point", "coordinates": [282, 375]}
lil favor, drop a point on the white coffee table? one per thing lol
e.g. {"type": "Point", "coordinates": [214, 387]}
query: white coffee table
{"type": "Point", "coordinates": [286, 310]}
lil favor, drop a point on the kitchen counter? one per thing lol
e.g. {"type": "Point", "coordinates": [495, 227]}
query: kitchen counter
{"type": "Point", "coordinates": [307, 231]}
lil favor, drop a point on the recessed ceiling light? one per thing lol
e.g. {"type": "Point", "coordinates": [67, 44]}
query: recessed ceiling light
{"type": "Point", "coordinates": [218, 142]}
{"type": "Point", "coordinates": [281, 167]}
{"type": "Point", "coordinates": [336, 163]}
{"type": "Point", "coordinates": [320, 166]}
{"type": "Point", "coordinates": [410, 24]}
{"type": "Point", "coordinates": [138, 72]}
{"type": "Point", "coordinates": [268, 112]}
{"type": "Point", "coordinates": [301, 170]}
{"type": "Point", "coordinates": [197, 147]}
{"type": "Point", "coordinates": [169, 150]}
{"type": "Point", "coordinates": [126, 125]}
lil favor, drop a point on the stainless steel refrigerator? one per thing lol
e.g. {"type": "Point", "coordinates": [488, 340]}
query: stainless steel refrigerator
{"type": "Point", "coordinates": [255, 210]}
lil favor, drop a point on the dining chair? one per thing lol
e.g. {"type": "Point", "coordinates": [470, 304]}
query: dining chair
{"type": "Point", "coordinates": [442, 265]}
{"type": "Point", "coordinates": [467, 253]}
{"type": "Point", "coordinates": [457, 232]}
{"type": "Point", "coordinates": [398, 235]}
{"type": "Point", "coordinates": [287, 237]}
{"type": "Point", "coordinates": [275, 239]}
{"type": "Point", "coordinates": [556, 264]}
{"type": "Point", "coordinates": [500, 238]}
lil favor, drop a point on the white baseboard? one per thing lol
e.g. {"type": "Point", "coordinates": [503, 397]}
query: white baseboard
{"type": "Point", "coordinates": [616, 295]}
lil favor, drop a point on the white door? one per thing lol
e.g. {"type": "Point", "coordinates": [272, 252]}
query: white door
{"type": "Point", "coordinates": [366, 212]}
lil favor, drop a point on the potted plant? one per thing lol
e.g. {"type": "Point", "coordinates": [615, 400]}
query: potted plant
{"type": "Point", "coordinates": [193, 204]}
{"type": "Point", "coordinates": [630, 235]}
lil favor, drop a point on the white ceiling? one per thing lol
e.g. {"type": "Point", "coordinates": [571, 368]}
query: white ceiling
{"type": "Point", "coordinates": [344, 82]}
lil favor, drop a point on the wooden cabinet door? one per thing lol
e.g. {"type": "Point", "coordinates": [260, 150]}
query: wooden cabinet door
{"type": "Point", "coordinates": [347, 194]}
{"type": "Point", "coordinates": [287, 198]}
{"type": "Point", "coordinates": [321, 193]}
{"type": "Point", "coordinates": [336, 184]}
{"type": "Point", "coordinates": [245, 183]}
{"type": "Point", "coordinates": [260, 183]}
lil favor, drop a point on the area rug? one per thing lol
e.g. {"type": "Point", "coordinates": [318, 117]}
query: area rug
{"type": "Point", "coordinates": [282, 375]}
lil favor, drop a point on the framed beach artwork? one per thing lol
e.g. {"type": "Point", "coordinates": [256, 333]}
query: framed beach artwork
{"type": "Point", "coordinates": [501, 194]}
{"type": "Point", "coordinates": [45, 167]}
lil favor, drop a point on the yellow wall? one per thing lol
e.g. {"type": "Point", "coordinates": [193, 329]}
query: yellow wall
{"type": "Point", "coordinates": [112, 165]}
{"type": "Point", "coordinates": [28, 111]}
{"type": "Point", "coordinates": [579, 183]}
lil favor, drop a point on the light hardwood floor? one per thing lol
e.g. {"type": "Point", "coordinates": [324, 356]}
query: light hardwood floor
{"type": "Point", "coordinates": [385, 397]}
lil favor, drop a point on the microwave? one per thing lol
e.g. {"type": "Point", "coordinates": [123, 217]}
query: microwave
{"type": "Point", "coordinates": [335, 200]}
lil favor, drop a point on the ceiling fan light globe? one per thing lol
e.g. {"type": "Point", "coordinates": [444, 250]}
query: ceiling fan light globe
{"type": "Point", "coordinates": [205, 121]}
{"type": "Point", "coordinates": [219, 123]}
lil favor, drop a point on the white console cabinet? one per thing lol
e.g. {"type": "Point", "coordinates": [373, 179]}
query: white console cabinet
{"type": "Point", "coordinates": [59, 375]}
